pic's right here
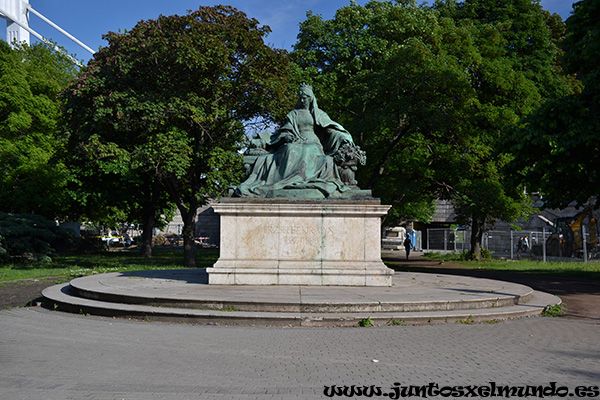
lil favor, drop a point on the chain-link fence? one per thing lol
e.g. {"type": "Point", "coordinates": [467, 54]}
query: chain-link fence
{"type": "Point", "coordinates": [541, 245]}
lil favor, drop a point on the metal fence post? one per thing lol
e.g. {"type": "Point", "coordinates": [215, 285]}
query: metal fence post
{"type": "Point", "coordinates": [584, 238]}
{"type": "Point", "coordinates": [544, 242]}
{"type": "Point", "coordinates": [455, 238]}
{"type": "Point", "coordinates": [512, 254]}
{"type": "Point", "coordinates": [445, 240]}
{"type": "Point", "coordinates": [427, 239]}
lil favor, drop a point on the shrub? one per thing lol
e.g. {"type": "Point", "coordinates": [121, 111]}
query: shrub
{"type": "Point", "coordinates": [486, 254]}
{"type": "Point", "coordinates": [159, 240]}
{"type": "Point", "coordinates": [30, 238]}
{"type": "Point", "coordinates": [90, 243]}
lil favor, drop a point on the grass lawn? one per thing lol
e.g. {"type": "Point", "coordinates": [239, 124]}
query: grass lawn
{"type": "Point", "coordinates": [72, 266]}
{"type": "Point", "coordinates": [575, 268]}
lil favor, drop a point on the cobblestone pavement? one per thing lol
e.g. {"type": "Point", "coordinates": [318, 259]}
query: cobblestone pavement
{"type": "Point", "coordinates": [50, 355]}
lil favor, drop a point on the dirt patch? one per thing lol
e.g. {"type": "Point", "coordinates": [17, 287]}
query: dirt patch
{"type": "Point", "coordinates": [23, 293]}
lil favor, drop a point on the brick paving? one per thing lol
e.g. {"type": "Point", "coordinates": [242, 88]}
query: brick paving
{"type": "Point", "coordinates": [57, 356]}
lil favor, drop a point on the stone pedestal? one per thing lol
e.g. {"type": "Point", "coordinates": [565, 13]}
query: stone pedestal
{"type": "Point", "coordinates": [300, 242]}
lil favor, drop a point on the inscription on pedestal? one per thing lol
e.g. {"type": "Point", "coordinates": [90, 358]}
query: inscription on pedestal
{"type": "Point", "coordinates": [298, 236]}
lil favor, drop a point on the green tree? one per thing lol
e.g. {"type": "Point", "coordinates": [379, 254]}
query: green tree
{"type": "Point", "coordinates": [108, 187]}
{"type": "Point", "coordinates": [428, 92]}
{"type": "Point", "coordinates": [518, 69]}
{"type": "Point", "coordinates": [557, 150]}
{"type": "Point", "coordinates": [32, 179]}
{"type": "Point", "coordinates": [383, 72]}
{"type": "Point", "coordinates": [168, 100]}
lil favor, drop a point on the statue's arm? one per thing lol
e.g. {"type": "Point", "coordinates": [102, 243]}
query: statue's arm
{"type": "Point", "coordinates": [288, 132]}
{"type": "Point", "coordinates": [335, 132]}
{"type": "Point", "coordinates": [342, 136]}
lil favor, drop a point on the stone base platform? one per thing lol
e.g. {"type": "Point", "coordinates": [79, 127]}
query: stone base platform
{"type": "Point", "coordinates": [186, 296]}
{"type": "Point", "coordinates": [300, 242]}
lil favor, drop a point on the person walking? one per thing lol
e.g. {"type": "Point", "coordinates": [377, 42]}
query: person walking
{"type": "Point", "coordinates": [407, 245]}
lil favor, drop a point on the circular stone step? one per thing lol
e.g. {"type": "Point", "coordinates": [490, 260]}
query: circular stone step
{"type": "Point", "coordinates": [184, 296]}
{"type": "Point", "coordinates": [411, 292]}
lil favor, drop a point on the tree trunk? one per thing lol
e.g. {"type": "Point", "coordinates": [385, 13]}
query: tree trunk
{"type": "Point", "coordinates": [477, 230]}
{"type": "Point", "coordinates": [147, 228]}
{"type": "Point", "coordinates": [189, 244]}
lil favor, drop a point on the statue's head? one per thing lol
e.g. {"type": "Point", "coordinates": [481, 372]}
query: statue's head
{"type": "Point", "coordinates": [306, 97]}
{"type": "Point", "coordinates": [305, 89]}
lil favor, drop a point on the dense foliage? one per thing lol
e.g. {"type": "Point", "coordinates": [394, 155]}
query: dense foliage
{"type": "Point", "coordinates": [31, 179]}
{"type": "Point", "coordinates": [557, 152]}
{"type": "Point", "coordinates": [162, 108]}
{"type": "Point", "coordinates": [518, 70]}
{"type": "Point", "coordinates": [382, 72]}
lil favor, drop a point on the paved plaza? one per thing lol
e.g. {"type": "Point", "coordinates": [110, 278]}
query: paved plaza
{"type": "Point", "coordinates": [51, 355]}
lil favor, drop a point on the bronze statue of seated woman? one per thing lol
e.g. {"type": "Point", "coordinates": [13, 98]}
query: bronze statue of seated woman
{"type": "Point", "coordinates": [309, 157]}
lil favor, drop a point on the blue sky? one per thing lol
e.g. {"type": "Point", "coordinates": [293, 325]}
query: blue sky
{"type": "Point", "coordinates": [88, 20]}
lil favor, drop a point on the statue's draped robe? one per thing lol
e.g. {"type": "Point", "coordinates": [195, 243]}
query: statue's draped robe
{"type": "Point", "coordinates": [304, 163]}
